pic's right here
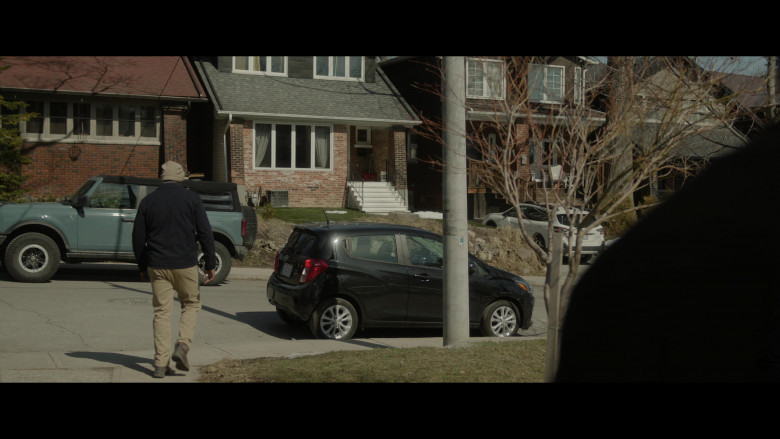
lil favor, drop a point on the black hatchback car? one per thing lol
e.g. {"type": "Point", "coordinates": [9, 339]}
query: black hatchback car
{"type": "Point", "coordinates": [348, 276]}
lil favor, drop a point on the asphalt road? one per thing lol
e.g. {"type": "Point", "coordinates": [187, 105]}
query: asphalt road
{"type": "Point", "coordinates": [93, 323]}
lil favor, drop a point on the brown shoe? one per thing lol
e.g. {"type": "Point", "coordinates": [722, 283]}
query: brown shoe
{"type": "Point", "coordinates": [180, 356]}
{"type": "Point", "coordinates": [161, 371]}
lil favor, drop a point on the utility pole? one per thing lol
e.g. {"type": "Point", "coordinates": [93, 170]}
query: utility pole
{"type": "Point", "coordinates": [456, 275]}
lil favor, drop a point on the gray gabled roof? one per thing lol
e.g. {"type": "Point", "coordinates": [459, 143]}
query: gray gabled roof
{"type": "Point", "coordinates": [714, 143]}
{"type": "Point", "coordinates": [277, 97]}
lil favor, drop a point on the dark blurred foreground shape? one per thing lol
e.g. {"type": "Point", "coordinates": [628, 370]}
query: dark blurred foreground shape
{"type": "Point", "coordinates": [691, 293]}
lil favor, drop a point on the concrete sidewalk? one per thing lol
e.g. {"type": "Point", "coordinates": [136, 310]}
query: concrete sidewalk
{"type": "Point", "coordinates": [135, 367]}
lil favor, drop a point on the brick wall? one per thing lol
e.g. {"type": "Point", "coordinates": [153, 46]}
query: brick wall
{"type": "Point", "coordinates": [58, 170]}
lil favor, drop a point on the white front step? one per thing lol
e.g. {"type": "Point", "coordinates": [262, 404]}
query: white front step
{"type": "Point", "coordinates": [378, 197]}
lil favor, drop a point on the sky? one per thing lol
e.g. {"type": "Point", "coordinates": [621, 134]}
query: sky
{"type": "Point", "coordinates": [745, 65]}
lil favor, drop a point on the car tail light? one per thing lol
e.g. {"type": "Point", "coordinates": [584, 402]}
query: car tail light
{"type": "Point", "coordinates": [243, 228]}
{"type": "Point", "coordinates": [312, 268]}
{"type": "Point", "coordinates": [276, 262]}
{"type": "Point", "coordinates": [560, 229]}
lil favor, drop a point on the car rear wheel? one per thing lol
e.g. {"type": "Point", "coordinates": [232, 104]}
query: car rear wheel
{"type": "Point", "coordinates": [335, 319]}
{"type": "Point", "coordinates": [500, 319]}
{"type": "Point", "coordinates": [224, 263]}
{"type": "Point", "coordinates": [32, 257]}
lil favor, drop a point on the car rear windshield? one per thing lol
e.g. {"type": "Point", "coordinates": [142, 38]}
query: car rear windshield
{"type": "Point", "coordinates": [302, 242]}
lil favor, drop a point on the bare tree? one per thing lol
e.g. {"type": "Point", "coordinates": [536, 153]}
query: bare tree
{"type": "Point", "coordinates": [601, 146]}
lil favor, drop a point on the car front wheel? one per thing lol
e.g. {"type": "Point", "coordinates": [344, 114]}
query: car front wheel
{"type": "Point", "coordinates": [32, 257]}
{"type": "Point", "coordinates": [500, 319]}
{"type": "Point", "coordinates": [335, 319]}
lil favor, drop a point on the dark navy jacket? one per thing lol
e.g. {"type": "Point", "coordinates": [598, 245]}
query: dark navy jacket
{"type": "Point", "coordinates": [169, 224]}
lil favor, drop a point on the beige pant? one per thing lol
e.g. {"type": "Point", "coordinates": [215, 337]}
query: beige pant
{"type": "Point", "coordinates": [164, 281]}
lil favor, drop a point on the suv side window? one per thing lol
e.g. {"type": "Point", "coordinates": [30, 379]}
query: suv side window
{"type": "Point", "coordinates": [114, 196]}
{"type": "Point", "coordinates": [374, 247]}
{"type": "Point", "coordinates": [425, 251]}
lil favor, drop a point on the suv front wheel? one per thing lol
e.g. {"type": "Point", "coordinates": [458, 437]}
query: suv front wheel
{"type": "Point", "coordinates": [32, 257]}
{"type": "Point", "coordinates": [335, 319]}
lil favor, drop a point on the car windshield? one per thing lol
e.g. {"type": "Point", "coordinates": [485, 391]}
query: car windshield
{"type": "Point", "coordinates": [564, 219]}
{"type": "Point", "coordinates": [82, 190]}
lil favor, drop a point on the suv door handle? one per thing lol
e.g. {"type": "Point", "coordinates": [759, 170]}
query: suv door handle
{"type": "Point", "coordinates": [128, 220]}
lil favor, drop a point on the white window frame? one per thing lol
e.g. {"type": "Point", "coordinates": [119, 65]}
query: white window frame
{"type": "Point", "coordinates": [293, 134]}
{"type": "Point", "coordinates": [70, 136]}
{"type": "Point", "coordinates": [250, 66]}
{"type": "Point", "coordinates": [346, 76]}
{"type": "Point", "coordinates": [579, 85]}
{"type": "Point", "coordinates": [488, 90]}
{"type": "Point", "coordinates": [546, 98]}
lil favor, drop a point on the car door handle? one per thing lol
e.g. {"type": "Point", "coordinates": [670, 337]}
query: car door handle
{"type": "Point", "coordinates": [128, 220]}
{"type": "Point", "coordinates": [423, 277]}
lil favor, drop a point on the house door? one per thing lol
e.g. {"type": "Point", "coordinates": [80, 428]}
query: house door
{"type": "Point", "coordinates": [363, 161]}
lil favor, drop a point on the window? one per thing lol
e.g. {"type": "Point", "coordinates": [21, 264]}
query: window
{"type": "Point", "coordinates": [126, 121]}
{"type": "Point", "coordinates": [485, 79]}
{"type": "Point", "coordinates": [363, 136]}
{"type": "Point", "coordinates": [100, 122]}
{"type": "Point", "coordinates": [339, 67]}
{"type": "Point", "coordinates": [426, 252]}
{"type": "Point", "coordinates": [268, 65]}
{"type": "Point", "coordinates": [58, 118]}
{"type": "Point", "coordinates": [35, 124]}
{"type": "Point", "coordinates": [292, 146]}
{"type": "Point", "coordinates": [104, 120]}
{"type": "Point", "coordinates": [115, 196]}
{"type": "Point", "coordinates": [545, 83]}
{"type": "Point", "coordinates": [81, 118]}
{"type": "Point", "coordinates": [374, 247]}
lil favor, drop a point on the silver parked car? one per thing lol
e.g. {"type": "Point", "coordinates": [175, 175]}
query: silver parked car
{"type": "Point", "coordinates": [535, 219]}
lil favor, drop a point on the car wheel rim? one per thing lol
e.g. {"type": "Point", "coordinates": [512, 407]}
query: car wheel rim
{"type": "Point", "coordinates": [202, 263]}
{"type": "Point", "coordinates": [503, 321]}
{"type": "Point", "coordinates": [33, 258]}
{"type": "Point", "coordinates": [336, 322]}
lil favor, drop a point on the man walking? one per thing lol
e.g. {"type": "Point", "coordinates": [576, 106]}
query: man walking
{"type": "Point", "coordinates": [169, 224]}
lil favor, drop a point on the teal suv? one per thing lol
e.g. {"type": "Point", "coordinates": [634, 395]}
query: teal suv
{"type": "Point", "coordinates": [95, 224]}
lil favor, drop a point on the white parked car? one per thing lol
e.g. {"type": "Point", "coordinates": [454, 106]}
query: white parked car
{"type": "Point", "coordinates": [535, 220]}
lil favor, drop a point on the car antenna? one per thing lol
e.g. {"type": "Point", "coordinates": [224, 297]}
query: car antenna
{"type": "Point", "coordinates": [327, 221]}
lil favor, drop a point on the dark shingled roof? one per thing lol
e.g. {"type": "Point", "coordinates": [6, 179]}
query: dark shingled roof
{"type": "Point", "coordinates": [317, 99]}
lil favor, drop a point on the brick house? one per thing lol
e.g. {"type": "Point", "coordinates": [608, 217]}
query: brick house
{"type": "Point", "coordinates": [298, 129]}
{"type": "Point", "coordinates": [104, 115]}
{"type": "Point", "coordinates": [560, 83]}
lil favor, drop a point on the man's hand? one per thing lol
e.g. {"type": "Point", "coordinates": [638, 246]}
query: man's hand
{"type": "Point", "coordinates": [208, 275]}
{"type": "Point", "coordinates": [144, 276]}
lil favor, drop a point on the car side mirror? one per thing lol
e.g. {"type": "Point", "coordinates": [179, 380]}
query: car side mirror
{"type": "Point", "coordinates": [82, 201]}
